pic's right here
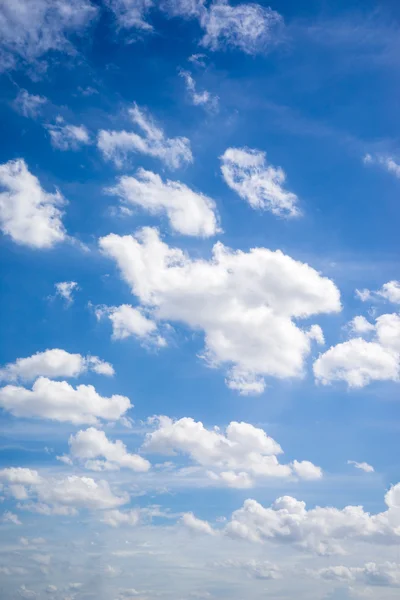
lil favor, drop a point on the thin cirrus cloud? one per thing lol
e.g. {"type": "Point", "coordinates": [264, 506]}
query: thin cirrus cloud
{"type": "Point", "coordinates": [29, 30]}
{"type": "Point", "coordinates": [357, 361]}
{"type": "Point", "coordinates": [128, 321]}
{"type": "Point", "coordinates": [118, 145]}
{"type": "Point", "coordinates": [68, 137]}
{"type": "Point", "coordinates": [54, 363]}
{"type": "Point", "coordinates": [59, 401]}
{"type": "Point", "coordinates": [189, 212]}
{"type": "Point", "coordinates": [29, 105]}
{"type": "Point", "coordinates": [204, 98]}
{"type": "Point", "coordinates": [29, 215]}
{"type": "Point", "coordinates": [247, 173]}
{"type": "Point", "coordinates": [131, 13]}
{"type": "Point", "coordinates": [236, 458]}
{"type": "Point", "coordinates": [388, 163]}
{"type": "Point", "coordinates": [250, 330]}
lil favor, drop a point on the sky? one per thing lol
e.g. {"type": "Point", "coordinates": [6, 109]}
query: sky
{"type": "Point", "coordinates": [199, 209]}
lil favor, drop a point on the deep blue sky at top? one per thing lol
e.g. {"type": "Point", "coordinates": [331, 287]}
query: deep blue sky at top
{"type": "Point", "coordinates": [320, 100]}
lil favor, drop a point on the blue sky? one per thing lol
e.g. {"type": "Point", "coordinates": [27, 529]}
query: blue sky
{"type": "Point", "coordinates": [200, 293]}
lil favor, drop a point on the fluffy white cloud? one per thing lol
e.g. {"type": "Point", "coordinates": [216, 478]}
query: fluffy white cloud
{"type": "Point", "coordinates": [318, 530]}
{"type": "Point", "coordinates": [246, 172]}
{"type": "Point", "coordinates": [358, 362]}
{"type": "Point", "coordinates": [28, 30]}
{"type": "Point", "coordinates": [28, 214]}
{"type": "Point", "coordinates": [29, 105]}
{"type": "Point", "coordinates": [236, 457]}
{"type": "Point", "coordinates": [386, 162]}
{"type": "Point", "coordinates": [129, 321]}
{"type": "Point", "coordinates": [20, 475]}
{"type": "Point", "coordinates": [68, 137]}
{"type": "Point", "coordinates": [9, 517]}
{"type": "Point", "coordinates": [59, 401]}
{"type": "Point", "coordinates": [54, 363]}
{"type": "Point", "coordinates": [116, 518]}
{"type": "Point", "coordinates": [245, 303]}
{"type": "Point", "coordinates": [372, 574]}
{"type": "Point", "coordinates": [197, 525]}
{"type": "Point", "coordinates": [204, 98]}
{"type": "Point", "coordinates": [250, 27]}
{"type": "Point", "coordinates": [363, 466]}
{"type": "Point", "coordinates": [189, 212]}
{"type": "Point", "coordinates": [389, 291]}
{"type": "Point", "coordinates": [65, 289]}
{"type": "Point", "coordinates": [117, 145]}
{"type": "Point", "coordinates": [91, 444]}
{"type": "Point", "coordinates": [131, 13]}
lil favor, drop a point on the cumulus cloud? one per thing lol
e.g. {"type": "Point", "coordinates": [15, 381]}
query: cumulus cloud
{"type": "Point", "coordinates": [54, 363]}
{"type": "Point", "coordinates": [357, 361]}
{"type": "Point", "coordinates": [247, 173]}
{"type": "Point", "coordinates": [129, 321]}
{"type": "Point", "coordinates": [189, 212]}
{"type": "Point", "coordinates": [244, 302]}
{"type": "Point", "coordinates": [9, 517]}
{"type": "Point", "coordinates": [236, 457]}
{"type": "Point", "coordinates": [29, 30]}
{"type": "Point", "coordinates": [90, 445]}
{"type": "Point", "coordinates": [389, 163]}
{"type": "Point", "coordinates": [389, 291]}
{"type": "Point", "coordinates": [205, 98]}
{"type": "Point", "coordinates": [65, 290]}
{"type": "Point", "coordinates": [68, 137]}
{"type": "Point", "coordinates": [131, 13]}
{"type": "Point", "coordinates": [59, 401]}
{"type": "Point", "coordinates": [372, 574]}
{"type": "Point", "coordinates": [20, 475]}
{"type": "Point", "coordinates": [197, 525]}
{"type": "Point", "coordinates": [117, 145]}
{"type": "Point", "coordinates": [363, 466]}
{"type": "Point", "coordinates": [29, 105]}
{"type": "Point", "coordinates": [319, 530]}
{"type": "Point", "coordinates": [28, 214]}
{"type": "Point", "coordinates": [116, 518]}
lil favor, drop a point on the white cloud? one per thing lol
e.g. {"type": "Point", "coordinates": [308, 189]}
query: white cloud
{"type": "Point", "coordinates": [247, 173]}
{"type": "Point", "coordinates": [197, 525]}
{"type": "Point", "coordinates": [204, 98]}
{"type": "Point", "coordinates": [59, 401]}
{"type": "Point", "coordinates": [372, 574]}
{"type": "Point", "coordinates": [245, 303]}
{"type": "Point", "coordinates": [9, 517]}
{"type": "Point", "coordinates": [319, 530]}
{"type": "Point", "coordinates": [363, 466]}
{"type": "Point", "coordinates": [254, 568]}
{"type": "Point", "coordinates": [53, 363]}
{"type": "Point", "coordinates": [25, 592]}
{"type": "Point", "coordinates": [28, 214]}
{"type": "Point", "coordinates": [131, 13]}
{"type": "Point", "coordinates": [359, 362]}
{"type": "Point", "coordinates": [389, 291]}
{"type": "Point", "coordinates": [129, 321]}
{"type": "Point", "coordinates": [20, 475]}
{"type": "Point", "coordinates": [28, 30]}
{"type": "Point", "coordinates": [68, 137]}
{"type": "Point", "coordinates": [236, 457]}
{"type": "Point", "coordinates": [189, 212]}
{"type": "Point", "coordinates": [91, 444]}
{"type": "Point", "coordinates": [117, 145]}
{"type": "Point", "coordinates": [65, 289]}
{"type": "Point", "coordinates": [29, 105]}
{"type": "Point", "coordinates": [389, 163]}
{"type": "Point", "coordinates": [116, 518]}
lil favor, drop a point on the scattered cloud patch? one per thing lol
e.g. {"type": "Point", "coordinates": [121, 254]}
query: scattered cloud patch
{"type": "Point", "coordinates": [388, 163]}
{"type": "Point", "coordinates": [59, 401]}
{"type": "Point", "coordinates": [205, 98]}
{"type": "Point", "coordinates": [244, 302]}
{"type": "Point", "coordinates": [247, 173]}
{"type": "Point", "coordinates": [363, 466]}
{"type": "Point", "coordinates": [131, 13]}
{"type": "Point", "coordinates": [29, 105]}
{"type": "Point", "coordinates": [28, 214]}
{"type": "Point", "coordinates": [390, 291]}
{"type": "Point", "coordinates": [65, 290]}
{"type": "Point", "coordinates": [68, 137]}
{"type": "Point", "coordinates": [128, 321]}
{"type": "Point", "coordinates": [9, 517]}
{"type": "Point", "coordinates": [188, 212]}
{"type": "Point", "coordinates": [196, 525]}
{"type": "Point", "coordinates": [117, 145]}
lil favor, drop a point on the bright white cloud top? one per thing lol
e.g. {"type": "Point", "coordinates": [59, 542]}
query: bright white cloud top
{"type": "Point", "coordinates": [54, 363]}
{"type": "Point", "coordinates": [362, 466]}
{"type": "Point", "coordinates": [248, 328]}
{"type": "Point", "coordinates": [189, 212]}
{"type": "Point", "coordinates": [65, 289]}
{"type": "Point", "coordinates": [128, 321]}
{"type": "Point", "coordinates": [28, 214]}
{"type": "Point", "coordinates": [59, 401]}
{"type": "Point", "coordinates": [68, 137]}
{"type": "Point", "coordinates": [246, 172]}
{"type": "Point", "coordinates": [118, 145]}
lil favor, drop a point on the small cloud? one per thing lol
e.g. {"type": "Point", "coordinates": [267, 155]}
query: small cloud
{"type": "Point", "coordinates": [363, 466]}
{"type": "Point", "coordinates": [65, 290]}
